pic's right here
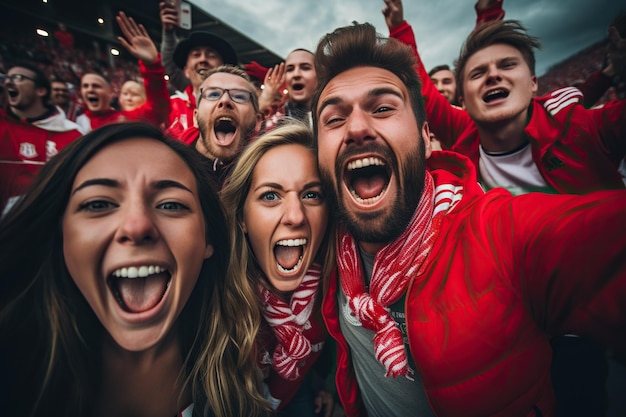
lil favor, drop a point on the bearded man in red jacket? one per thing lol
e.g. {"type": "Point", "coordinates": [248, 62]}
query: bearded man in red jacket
{"type": "Point", "coordinates": [447, 297]}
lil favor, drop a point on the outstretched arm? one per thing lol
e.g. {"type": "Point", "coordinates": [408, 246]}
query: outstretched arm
{"type": "Point", "coordinates": [169, 21]}
{"type": "Point", "coordinates": [488, 11]}
{"type": "Point", "coordinates": [570, 258]}
{"type": "Point", "coordinates": [394, 14]}
{"type": "Point", "coordinates": [445, 121]}
{"type": "Point", "coordinates": [274, 79]}
{"type": "Point", "coordinates": [617, 53]}
{"type": "Point", "coordinates": [600, 81]}
{"type": "Point", "coordinates": [136, 39]}
{"type": "Point", "coordinates": [168, 15]}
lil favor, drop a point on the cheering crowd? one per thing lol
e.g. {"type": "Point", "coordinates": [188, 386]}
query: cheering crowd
{"type": "Point", "coordinates": [347, 233]}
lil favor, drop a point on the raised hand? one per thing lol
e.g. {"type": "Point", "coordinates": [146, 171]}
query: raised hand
{"type": "Point", "coordinates": [169, 16]}
{"type": "Point", "coordinates": [136, 39]}
{"type": "Point", "coordinates": [616, 52]}
{"type": "Point", "coordinates": [274, 79]}
{"type": "Point", "coordinates": [393, 12]}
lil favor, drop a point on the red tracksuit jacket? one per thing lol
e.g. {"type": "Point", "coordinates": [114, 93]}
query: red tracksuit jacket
{"type": "Point", "coordinates": [505, 274]}
{"type": "Point", "coordinates": [576, 150]}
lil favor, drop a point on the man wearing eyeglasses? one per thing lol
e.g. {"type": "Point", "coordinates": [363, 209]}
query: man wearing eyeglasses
{"type": "Point", "coordinates": [195, 56]}
{"type": "Point", "coordinates": [227, 118]}
{"type": "Point", "coordinates": [29, 91]}
{"type": "Point", "coordinates": [31, 130]}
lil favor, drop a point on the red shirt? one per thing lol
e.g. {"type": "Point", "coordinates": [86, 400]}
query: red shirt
{"type": "Point", "coordinates": [155, 110]}
{"type": "Point", "coordinates": [65, 38]}
{"type": "Point", "coordinates": [24, 149]}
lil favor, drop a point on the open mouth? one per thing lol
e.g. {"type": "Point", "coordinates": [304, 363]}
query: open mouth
{"type": "Point", "coordinates": [495, 95]}
{"type": "Point", "coordinates": [139, 289]}
{"type": "Point", "coordinates": [93, 100]}
{"type": "Point", "coordinates": [203, 71]}
{"type": "Point", "coordinates": [297, 87]}
{"type": "Point", "coordinates": [12, 93]}
{"type": "Point", "coordinates": [225, 129]}
{"type": "Point", "coordinates": [288, 254]}
{"type": "Point", "coordinates": [367, 179]}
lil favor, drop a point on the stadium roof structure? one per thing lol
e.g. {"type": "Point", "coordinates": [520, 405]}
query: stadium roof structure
{"type": "Point", "coordinates": [81, 17]}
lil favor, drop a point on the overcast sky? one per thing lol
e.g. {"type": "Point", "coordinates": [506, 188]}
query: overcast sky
{"type": "Point", "coordinates": [564, 26]}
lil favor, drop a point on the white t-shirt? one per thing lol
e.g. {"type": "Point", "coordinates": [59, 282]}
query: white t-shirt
{"type": "Point", "coordinates": [516, 171]}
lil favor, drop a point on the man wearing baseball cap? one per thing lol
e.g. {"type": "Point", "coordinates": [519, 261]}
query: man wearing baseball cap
{"type": "Point", "coordinates": [195, 56]}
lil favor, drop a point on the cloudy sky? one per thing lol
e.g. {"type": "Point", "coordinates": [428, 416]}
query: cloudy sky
{"type": "Point", "coordinates": [564, 26]}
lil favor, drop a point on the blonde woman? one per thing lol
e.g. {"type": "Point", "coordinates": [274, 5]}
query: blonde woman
{"type": "Point", "coordinates": [280, 247]}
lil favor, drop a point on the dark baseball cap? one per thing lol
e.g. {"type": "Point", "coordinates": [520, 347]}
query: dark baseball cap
{"type": "Point", "coordinates": [195, 39]}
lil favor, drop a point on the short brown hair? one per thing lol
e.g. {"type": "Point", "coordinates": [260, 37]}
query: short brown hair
{"type": "Point", "coordinates": [508, 32]}
{"type": "Point", "coordinates": [438, 68]}
{"type": "Point", "coordinates": [360, 46]}
{"type": "Point", "coordinates": [40, 78]}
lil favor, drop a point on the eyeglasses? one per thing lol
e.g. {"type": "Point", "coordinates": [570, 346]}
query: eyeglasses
{"type": "Point", "coordinates": [19, 77]}
{"type": "Point", "coordinates": [235, 94]}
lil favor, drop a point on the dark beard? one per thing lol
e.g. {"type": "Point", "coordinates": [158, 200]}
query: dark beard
{"type": "Point", "coordinates": [380, 227]}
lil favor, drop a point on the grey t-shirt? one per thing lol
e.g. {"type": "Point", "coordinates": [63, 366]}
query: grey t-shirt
{"type": "Point", "coordinates": [383, 397]}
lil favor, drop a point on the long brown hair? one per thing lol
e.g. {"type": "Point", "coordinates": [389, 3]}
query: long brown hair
{"type": "Point", "coordinates": [50, 338]}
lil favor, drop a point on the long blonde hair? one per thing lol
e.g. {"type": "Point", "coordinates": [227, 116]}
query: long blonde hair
{"type": "Point", "coordinates": [226, 370]}
{"type": "Point", "coordinates": [236, 189]}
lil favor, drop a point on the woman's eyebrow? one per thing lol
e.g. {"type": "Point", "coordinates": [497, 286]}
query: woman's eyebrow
{"type": "Point", "coordinates": [163, 184]}
{"type": "Point", "coordinates": [107, 182]}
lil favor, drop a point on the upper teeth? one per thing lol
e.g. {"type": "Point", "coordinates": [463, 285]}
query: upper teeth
{"type": "Point", "coordinates": [292, 242]}
{"type": "Point", "coordinates": [364, 162]}
{"type": "Point", "coordinates": [141, 272]}
{"type": "Point", "coordinates": [495, 92]}
{"type": "Point", "coordinates": [228, 119]}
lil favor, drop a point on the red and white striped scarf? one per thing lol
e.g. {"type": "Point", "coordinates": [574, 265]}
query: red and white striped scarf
{"type": "Point", "coordinates": [394, 266]}
{"type": "Point", "coordinates": [287, 321]}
